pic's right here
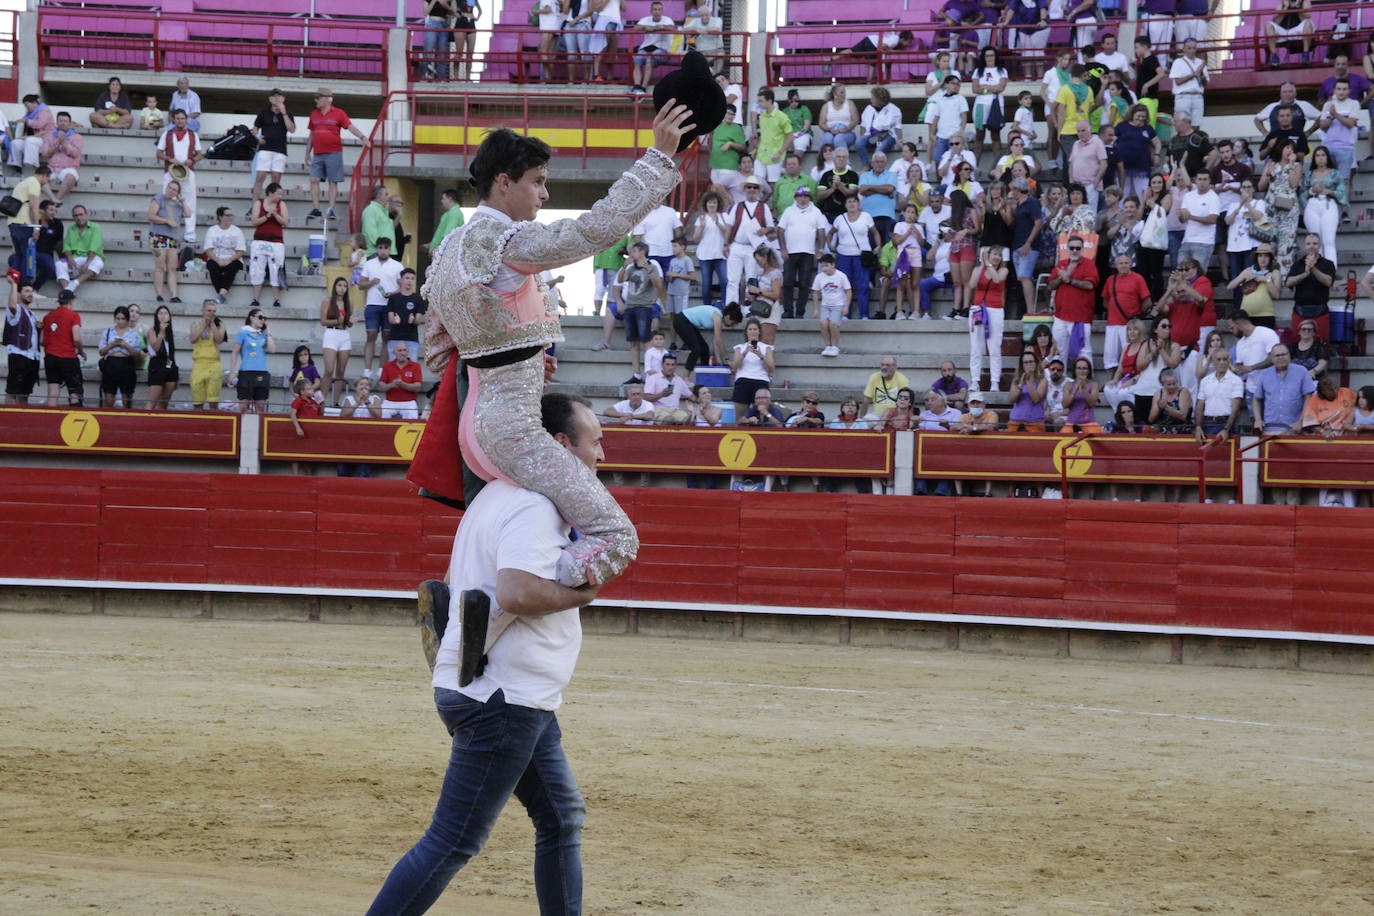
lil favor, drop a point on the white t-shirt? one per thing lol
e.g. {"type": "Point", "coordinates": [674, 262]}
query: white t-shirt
{"type": "Point", "coordinates": [660, 39]}
{"type": "Point", "coordinates": [712, 244]}
{"type": "Point", "coordinates": [1238, 233]}
{"type": "Point", "coordinates": [949, 110]}
{"type": "Point", "coordinates": [833, 287]}
{"type": "Point", "coordinates": [1195, 233]}
{"type": "Point", "coordinates": [909, 240]}
{"type": "Point", "coordinates": [658, 229]}
{"type": "Point", "coordinates": [889, 118]}
{"type": "Point", "coordinates": [733, 89]}
{"type": "Point", "coordinates": [506, 527]}
{"type": "Point", "coordinates": [224, 243]}
{"type": "Point", "coordinates": [734, 183]}
{"type": "Point", "coordinates": [929, 223]}
{"type": "Point", "coordinates": [1253, 350]}
{"type": "Point", "coordinates": [1051, 83]}
{"type": "Point", "coordinates": [947, 163]}
{"type": "Point", "coordinates": [1114, 61]}
{"type": "Point", "coordinates": [362, 411]}
{"type": "Point", "coordinates": [659, 382]}
{"type": "Point", "coordinates": [1182, 68]}
{"type": "Point", "coordinates": [752, 367]}
{"type": "Point", "coordinates": [1217, 393]}
{"type": "Point", "coordinates": [653, 360]}
{"type": "Point", "coordinates": [551, 21]}
{"type": "Point", "coordinates": [389, 272]}
{"type": "Point", "coordinates": [642, 415]}
{"type": "Point", "coordinates": [1337, 134]}
{"type": "Point", "coordinates": [851, 238]}
{"type": "Point", "coordinates": [1309, 111]}
{"type": "Point", "coordinates": [1024, 119]}
{"type": "Point", "coordinates": [799, 228]}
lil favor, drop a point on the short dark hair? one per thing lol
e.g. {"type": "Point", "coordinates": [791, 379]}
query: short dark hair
{"type": "Point", "coordinates": [827, 258]}
{"type": "Point", "coordinates": [272, 187]}
{"type": "Point", "coordinates": [557, 413]}
{"type": "Point", "coordinates": [122, 310]}
{"type": "Point", "coordinates": [504, 152]}
{"type": "Point", "coordinates": [220, 211]}
{"type": "Point", "coordinates": [641, 246]}
{"type": "Point", "coordinates": [68, 114]}
{"type": "Point", "coordinates": [379, 189]}
{"type": "Point", "coordinates": [114, 79]}
{"type": "Point", "coordinates": [31, 97]}
{"type": "Point", "coordinates": [452, 194]}
{"type": "Point", "coordinates": [732, 313]}
{"type": "Point", "coordinates": [766, 93]}
{"type": "Point", "coordinates": [382, 241]}
{"type": "Point", "coordinates": [178, 111]}
{"type": "Point", "coordinates": [43, 170]}
{"type": "Point", "coordinates": [408, 270]}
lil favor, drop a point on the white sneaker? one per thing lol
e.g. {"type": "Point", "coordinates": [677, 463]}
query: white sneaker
{"type": "Point", "coordinates": [831, 351]}
{"type": "Point", "coordinates": [925, 316]}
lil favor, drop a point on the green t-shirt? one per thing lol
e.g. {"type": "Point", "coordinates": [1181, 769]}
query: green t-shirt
{"type": "Point", "coordinates": [798, 116]}
{"type": "Point", "coordinates": [612, 258]}
{"type": "Point", "coordinates": [90, 241]}
{"type": "Point", "coordinates": [452, 219]}
{"type": "Point", "coordinates": [785, 190]}
{"type": "Point", "coordinates": [774, 129]}
{"type": "Point", "coordinates": [887, 256]}
{"type": "Point", "coordinates": [377, 224]}
{"type": "Point", "coordinates": [722, 158]}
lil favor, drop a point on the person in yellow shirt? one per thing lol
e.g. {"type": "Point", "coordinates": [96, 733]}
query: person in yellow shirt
{"type": "Point", "coordinates": [774, 130]}
{"type": "Point", "coordinates": [1074, 103]}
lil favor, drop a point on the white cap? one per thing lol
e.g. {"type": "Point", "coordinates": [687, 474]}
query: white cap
{"type": "Point", "coordinates": [974, 395]}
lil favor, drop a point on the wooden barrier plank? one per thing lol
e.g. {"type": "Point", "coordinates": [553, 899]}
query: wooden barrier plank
{"type": "Point", "coordinates": [120, 432]}
{"type": "Point", "coordinates": [1050, 586]}
{"type": "Point", "coordinates": [1118, 591]}
{"type": "Point", "coordinates": [739, 450]}
{"type": "Point", "coordinates": [1039, 457]}
{"type": "Point", "coordinates": [1002, 605]}
{"type": "Point", "coordinates": [897, 563]}
{"type": "Point", "coordinates": [1123, 612]}
{"type": "Point", "coordinates": [915, 601]}
{"type": "Point", "coordinates": [1289, 462]}
{"type": "Point", "coordinates": [370, 441]}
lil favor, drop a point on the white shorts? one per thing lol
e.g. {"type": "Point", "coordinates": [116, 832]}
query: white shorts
{"type": "Point", "coordinates": [268, 161]}
{"type": "Point", "coordinates": [1302, 28]}
{"type": "Point", "coordinates": [337, 339]}
{"type": "Point", "coordinates": [93, 263]}
{"type": "Point", "coordinates": [801, 144]}
{"type": "Point", "coordinates": [265, 262]}
{"type": "Point", "coordinates": [61, 176]}
{"type": "Point", "coordinates": [832, 313]}
{"type": "Point", "coordinates": [400, 410]}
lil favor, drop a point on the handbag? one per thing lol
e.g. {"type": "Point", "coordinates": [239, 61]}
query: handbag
{"type": "Point", "coordinates": [10, 205]}
{"type": "Point", "coordinates": [1155, 233]}
{"type": "Point", "coordinates": [1263, 232]}
{"type": "Point", "coordinates": [1284, 200]}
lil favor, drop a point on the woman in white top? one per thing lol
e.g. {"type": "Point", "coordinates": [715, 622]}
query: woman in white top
{"type": "Point", "coordinates": [936, 77]}
{"type": "Point", "coordinates": [704, 412]}
{"type": "Point", "coordinates": [880, 125]}
{"type": "Point", "coordinates": [753, 365]}
{"type": "Point", "coordinates": [362, 404]}
{"type": "Point", "coordinates": [708, 232]}
{"type": "Point", "coordinates": [1016, 152]}
{"type": "Point", "coordinates": [839, 118]}
{"type": "Point", "coordinates": [1240, 245]}
{"type": "Point", "coordinates": [851, 234]}
{"type": "Point", "coordinates": [989, 82]}
{"type": "Point", "coordinates": [848, 417]}
{"type": "Point", "coordinates": [824, 161]}
{"type": "Point", "coordinates": [763, 287]}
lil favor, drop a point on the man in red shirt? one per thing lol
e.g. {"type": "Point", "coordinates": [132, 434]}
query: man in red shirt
{"type": "Point", "coordinates": [401, 380]}
{"type": "Point", "coordinates": [63, 351]}
{"type": "Point", "coordinates": [1074, 283]}
{"type": "Point", "coordinates": [324, 153]}
{"type": "Point", "coordinates": [1126, 295]}
{"type": "Point", "coordinates": [1190, 304]}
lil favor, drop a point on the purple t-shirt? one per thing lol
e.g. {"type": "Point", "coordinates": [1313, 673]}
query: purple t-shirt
{"type": "Point", "coordinates": [949, 386]}
{"type": "Point", "coordinates": [1359, 85]}
{"type": "Point", "coordinates": [1026, 12]}
{"type": "Point", "coordinates": [1158, 7]}
{"type": "Point", "coordinates": [1194, 7]}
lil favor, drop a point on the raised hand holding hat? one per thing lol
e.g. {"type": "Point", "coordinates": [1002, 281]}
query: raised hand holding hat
{"type": "Point", "coordinates": [693, 88]}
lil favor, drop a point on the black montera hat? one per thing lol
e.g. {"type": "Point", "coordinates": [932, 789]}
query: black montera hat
{"type": "Point", "coordinates": [693, 85]}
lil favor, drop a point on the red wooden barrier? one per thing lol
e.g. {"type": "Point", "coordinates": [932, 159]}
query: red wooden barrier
{"type": "Point", "coordinates": [352, 441]}
{"type": "Point", "coordinates": [1033, 456]}
{"type": "Point", "coordinates": [756, 451]}
{"type": "Point", "coordinates": [120, 432]}
{"type": "Point", "coordinates": [1311, 461]}
{"type": "Point", "coordinates": [1276, 568]}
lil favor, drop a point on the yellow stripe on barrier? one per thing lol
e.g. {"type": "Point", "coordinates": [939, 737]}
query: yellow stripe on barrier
{"type": "Point", "coordinates": [560, 137]}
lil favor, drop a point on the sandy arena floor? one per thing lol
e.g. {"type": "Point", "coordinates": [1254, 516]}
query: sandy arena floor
{"type": "Point", "coordinates": [166, 766]}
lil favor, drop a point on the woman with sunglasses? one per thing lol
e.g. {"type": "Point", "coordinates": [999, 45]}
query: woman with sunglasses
{"type": "Point", "coordinates": [1258, 286]}
{"type": "Point", "coordinates": [903, 416]}
{"type": "Point", "coordinates": [963, 248]}
{"type": "Point", "coordinates": [1309, 351]}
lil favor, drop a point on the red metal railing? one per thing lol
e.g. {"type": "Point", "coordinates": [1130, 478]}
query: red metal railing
{"type": "Point", "coordinates": [9, 58]}
{"type": "Point", "coordinates": [583, 130]}
{"type": "Point", "coordinates": [160, 41]}
{"type": "Point", "coordinates": [1236, 49]}
{"type": "Point", "coordinates": [511, 54]}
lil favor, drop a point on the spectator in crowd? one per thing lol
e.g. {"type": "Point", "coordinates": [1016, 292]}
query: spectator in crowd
{"type": "Point", "coordinates": [248, 362]}
{"type": "Point", "coordinates": [1199, 213]}
{"type": "Point", "coordinates": [809, 416]}
{"type": "Point", "coordinates": [670, 394]}
{"type": "Point", "coordinates": [336, 318]}
{"type": "Point", "coordinates": [464, 36]}
{"type": "Point", "coordinates": [1220, 396]}
{"type": "Point", "coordinates": [1189, 77]}
{"type": "Point", "coordinates": [62, 150]}
{"type": "Point", "coordinates": [689, 324]}
{"type": "Point", "coordinates": [799, 117]}
{"type": "Point", "coordinates": [986, 295]}
{"type": "Point", "coordinates": [681, 274]}
{"type": "Point", "coordinates": [396, 212]}
{"type": "Point", "coordinates": [1055, 383]}
{"type": "Point", "coordinates": [752, 364]}
{"type": "Point", "coordinates": [83, 251]}
{"type": "Point", "coordinates": [657, 30]}
{"type": "Point", "coordinates": [773, 131]}
{"type": "Point", "coordinates": [1253, 345]}
{"type": "Point", "coordinates": [605, 266]}
{"type": "Point", "coordinates": [833, 292]}
{"type": "Point", "coordinates": [638, 286]}
{"type": "Point", "coordinates": [940, 273]}
{"type": "Point", "coordinates": [35, 125]}
{"type": "Point", "coordinates": [1189, 147]}
{"type": "Point", "coordinates": [1028, 221]}
{"type": "Point", "coordinates": [1287, 131]}
{"type": "Point", "coordinates": [150, 117]}
{"type": "Point", "coordinates": [401, 380]}
{"type": "Point", "coordinates": [405, 313]}
{"type": "Point", "coordinates": [853, 234]}
{"type": "Point", "coordinates": [803, 232]}
{"type": "Point", "coordinates": [1359, 84]}
{"type": "Point", "coordinates": [1190, 303]}
{"type": "Point", "coordinates": [178, 151]}
{"type": "Point", "coordinates": [163, 374]}
{"type": "Point", "coordinates": [1126, 296]}
{"type": "Point", "coordinates": [657, 230]}
{"type": "Point", "coordinates": [1245, 212]}
{"type": "Point", "coordinates": [878, 195]}
{"type": "Point", "coordinates": [550, 15]}
{"type": "Point", "coordinates": [112, 110]}
{"type": "Point", "coordinates": [763, 412]}
{"type": "Point", "coordinates": [1305, 116]}
{"type": "Point", "coordinates": [702, 29]}
{"type": "Point", "coordinates": [1073, 103]}
{"type": "Point", "coordinates": [63, 351]}
{"type": "Point", "coordinates": [849, 418]}
{"type": "Point", "coordinates": [763, 291]}
{"type": "Point", "coordinates": [1055, 79]}
{"type": "Point", "coordinates": [1074, 284]}
{"type": "Point", "coordinates": [1080, 398]}
{"type": "Point", "coordinates": [1310, 279]}
{"type": "Point", "coordinates": [634, 410]}
{"type": "Point", "coordinates": [1088, 162]}
{"type": "Point", "coordinates": [1292, 26]}
{"type": "Point", "coordinates": [1132, 361]}
{"type": "Point", "coordinates": [989, 80]}
{"type": "Point", "coordinates": [880, 125]}
{"type": "Point", "coordinates": [1257, 286]}
{"type": "Point", "coordinates": [750, 225]}
{"type": "Point", "coordinates": [381, 276]}
{"type": "Point", "coordinates": [880, 391]}
{"type": "Point", "coordinates": [272, 127]}
{"type": "Point", "coordinates": [1340, 124]}
{"type": "Point", "coordinates": [963, 248]}
{"type": "Point", "coordinates": [1171, 408]}
{"type": "Point", "coordinates": [451, 219]}
{"type": "Point", "coordinates": [727, 143]}
{"type": "Point", "coordinates": [902, 415]}
{"type": "Point", "coordinates": [704, 411]}
{"type": "Point", "coordinates": [949, 117]}
{"type": "Point", "coordinates": [267, 257]}
{"type": "Point", "coordinates": [324, 152]}
{"type": "Point", "coordinates": [25, 224]}
{"type": "Point", "coordinates": [1016, 152]}
{"type": "Point", "coordinates": [1328, 412]}
{"type": "Point", "coordinates": [950, 385]}
{"type": "Point", "coordinates": [1322, 198]}
{"type": "Point", "coordinates": [377, 222]}
{"type": "Point", "coordinates": [836, 184]}
{"type": "Point", "coordinates": [938, 416]}
{"type": "Point", "coordinates": [303, 407]}
{"type": "Point", "coordinates": [206, 335]}
{"type": "Point", "coordinates": [47, 246]}
{"type": "Point", "coordinates": [710, 231]}
{"type": "Point", "coordinates": [1280, 182]}
{"type": "Point", "coordinates": [224, 253]}
{"type": "Point", "coordinates": [121, 353]}
{"type": "Point", "coordinates": [166, 213]}
{"type": "Point", "coordinates": [303, 367]}
{"type": "Point", "coordinates": [21, 340]}
{"type": "Point", "coordinates": [361, 404]}
{"type": "Point", "coordinates": [187, 100]}
{"type": "Point", "coordinates": [1279, 393]}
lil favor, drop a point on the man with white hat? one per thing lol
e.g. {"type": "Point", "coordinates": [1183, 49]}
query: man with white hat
{"type": "Point", "coordinates": [977, 419]}
{"type": "Point", "coordinates": [803, 233]}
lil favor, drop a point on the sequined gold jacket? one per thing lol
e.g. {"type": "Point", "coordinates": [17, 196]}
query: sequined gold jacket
{"type": "Point", "coordinates": [466, 315]}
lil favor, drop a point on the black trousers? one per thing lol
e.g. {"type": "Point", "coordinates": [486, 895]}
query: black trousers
{"type": "Point", "coordinates": [223, 277]}
{"type": "Point", "coordinates": [690, 335]}
{"type": "Point", "coordinates": [797, 275]}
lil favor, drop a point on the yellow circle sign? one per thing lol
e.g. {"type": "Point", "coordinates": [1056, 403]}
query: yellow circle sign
{"type": "Point", "coordinates": [407, 439]}
{"type": "Point", "coordinates": [1079, 456]}
{"type": "Point", "coordinates": [737, 451]}
{"type": "Point", "coordinates": [80, 429]}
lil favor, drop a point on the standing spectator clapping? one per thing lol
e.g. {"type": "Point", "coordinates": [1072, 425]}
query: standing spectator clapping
{"type": "Point", "coordinates": [163, 374]}
{"type": "Point", "coordinates": [267, 257]}
{"type": "Point", "coordinates": [401, 380]}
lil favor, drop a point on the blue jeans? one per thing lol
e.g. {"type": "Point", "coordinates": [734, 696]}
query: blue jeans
{"type": "Point", "coordinates": [852, 266]}
{"type": "Point", "coordinates": [713, 280]}
{"type": "Point", "coordinates": [941, 147]}
{"type": "Point", "coordinates": [1237, 261]}
{"type": "Point", "coordinates": [498, 749]}
{"type": "Point", "coordinates": [930, 285]}
{"type": "Point", "coordinates": [866, 146]}
{"type": "Point", "coordinates": [846, 139]}
{"type": "Point", "coordinates": [1175, 240]}
{"type": "Point", "coordinates": [436, 47]}
{"type": "Point", "coordinates": [1343, 158]}
{"type": "Point", "coordinates": [923, 488]}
